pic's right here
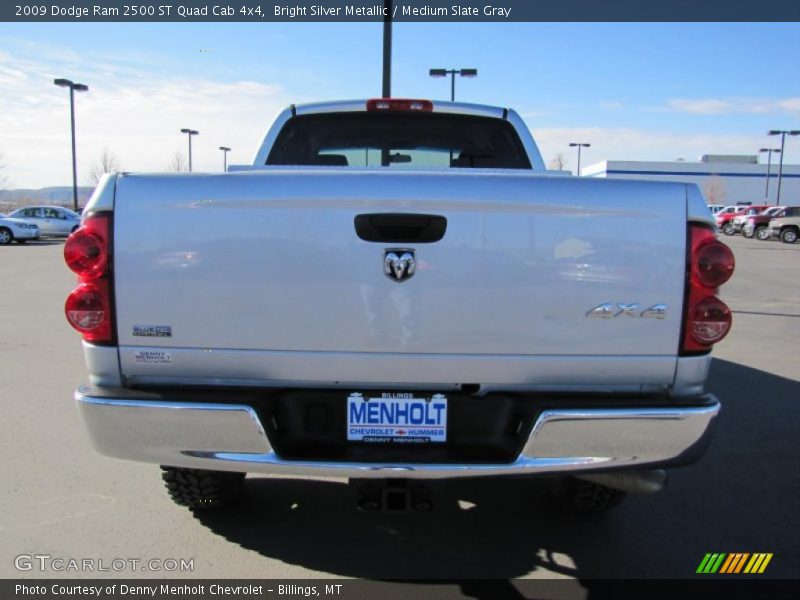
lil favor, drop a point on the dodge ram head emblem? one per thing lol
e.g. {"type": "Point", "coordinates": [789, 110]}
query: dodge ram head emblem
{"type": "Point", "coordinates": [399, 264]}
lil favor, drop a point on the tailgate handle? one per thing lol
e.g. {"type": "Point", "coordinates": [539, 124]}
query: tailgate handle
{"type": "Point", "coordinates": [400, 227]}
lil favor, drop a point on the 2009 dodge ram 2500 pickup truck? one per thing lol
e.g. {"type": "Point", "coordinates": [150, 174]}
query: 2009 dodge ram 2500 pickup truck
{"type": "Point", "coordinates": [398, 288]}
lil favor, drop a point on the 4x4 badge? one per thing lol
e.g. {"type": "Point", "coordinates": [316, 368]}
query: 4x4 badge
{"type": "Point", "coordinates": [610, 310]}
{"type": "Point", "coordinates": [399, 264]}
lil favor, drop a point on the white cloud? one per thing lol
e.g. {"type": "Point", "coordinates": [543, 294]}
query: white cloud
{"type": "Point", "coordinates": [719, 106]}
{"type": "Point", "coordinates": [131, 110]}
{"type": "Point", "coordinates": [790, 104]}
{"type": "Point", "coordinates": [707, 106]}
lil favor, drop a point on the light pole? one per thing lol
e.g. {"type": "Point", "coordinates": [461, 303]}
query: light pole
{"type": "Point", "coordinates": [452, 73]}
{"type": "Point", "coordinates": [769, 152]}
{"type": "Point", "coordinates": [73, 87]}
{"type": "Point", "coordinates": [783, 134]}
{"type": "Point", "coordinates": [579, 145]}
{"type": "Point", "coordinates": [190, 133]}
{"type": "Point", "coordinates": [386, 81]}
{"type": "Point", "coordinates": [225, 151]}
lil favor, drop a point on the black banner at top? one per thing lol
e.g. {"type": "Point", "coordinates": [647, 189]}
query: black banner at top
{"type": "Point", "coordinates": [230, 11]}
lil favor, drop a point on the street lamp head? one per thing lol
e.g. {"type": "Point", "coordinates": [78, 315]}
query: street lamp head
{"type": "Point", "coordinates": [469, 72]}
{"type": "Point", "coordinates": [189, 131]}
{"type": "Point", "coordinates": [80, 87]}
{"type": "Point", "coordinates": [774, 132]}
{"type": "Point", "coordinates": [438, 72]}
{"type": "Point", "coordinates": [62, 82]}
{"type": "Point", "coordinates": [794, 132]}
{"type": "Point", "coordinates": [224, 148]}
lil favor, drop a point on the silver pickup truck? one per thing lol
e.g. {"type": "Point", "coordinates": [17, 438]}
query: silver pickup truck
{"type": "Point", "coordinates": [397, 289]}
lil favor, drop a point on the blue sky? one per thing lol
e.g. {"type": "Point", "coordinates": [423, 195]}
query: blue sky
{"type": "Point", "coordinates": [634, 91]}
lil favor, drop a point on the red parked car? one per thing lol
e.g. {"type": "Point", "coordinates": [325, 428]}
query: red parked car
{"type": "Point", "coordinates": [725, 221]}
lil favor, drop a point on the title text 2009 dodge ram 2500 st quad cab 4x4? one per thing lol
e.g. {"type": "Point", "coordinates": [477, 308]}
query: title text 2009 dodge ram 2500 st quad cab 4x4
{"type": "Point", "coordinates": [398, 289]}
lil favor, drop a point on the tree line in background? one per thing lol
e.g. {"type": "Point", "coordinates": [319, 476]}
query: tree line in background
{"type": "Point", "coordinates": [106, 162]}
{"type": "Point", "coordinates": [3, 177]}
{"type": "Point", "coordinates": [558, 162]}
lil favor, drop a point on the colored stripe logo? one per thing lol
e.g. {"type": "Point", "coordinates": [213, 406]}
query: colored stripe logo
{"type": "Point", "coordinates": [734, 563]}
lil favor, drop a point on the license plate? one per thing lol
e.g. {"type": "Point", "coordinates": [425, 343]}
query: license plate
{"type": "Point", "coordinates": [402, 418]}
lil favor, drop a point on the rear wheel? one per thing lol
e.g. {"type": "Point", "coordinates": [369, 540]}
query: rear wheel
{"type": "Point", "coordinates": [202, 490]}
{"type": "Point", "coordinates": [6, 237]}
{"type": "Point", "coordinates": [585, 497]}
{"type": "Point", "coordinates": [762, 233]}
{"type": "Point", "coordinates": [748, 235]}
{"type": "Point", "coordinates": [728, 229]}
{"type": "Point", "coordinates": [789, 236]}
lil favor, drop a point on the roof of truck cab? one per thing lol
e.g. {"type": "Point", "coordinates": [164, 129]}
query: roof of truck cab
{"type": "Point", "coordinates": [459, 108]}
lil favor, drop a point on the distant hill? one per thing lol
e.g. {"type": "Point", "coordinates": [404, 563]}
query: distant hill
{"type": "Point", "coordinates": [58, 195]}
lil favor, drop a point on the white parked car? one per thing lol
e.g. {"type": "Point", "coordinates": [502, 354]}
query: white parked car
{"type": "Point", "coordinates": [16, 230]}
{"type": "Point", "coordinates": [715, 208]}
{"type": "Point", "coordinates": [51, 220]}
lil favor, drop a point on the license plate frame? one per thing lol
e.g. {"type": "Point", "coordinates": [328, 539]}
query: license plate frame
{"type": "Point", "coordinates": [396, 418]}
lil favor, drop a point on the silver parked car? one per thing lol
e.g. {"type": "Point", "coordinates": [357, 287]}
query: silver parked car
{"type": "Point", "coordinates": [16, 230]}
{"type": "Point", "coordinates": [52, 220]}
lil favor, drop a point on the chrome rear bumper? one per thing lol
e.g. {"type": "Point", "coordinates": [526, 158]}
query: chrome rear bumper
{"type": "Point", "coordinates": [230, 437]}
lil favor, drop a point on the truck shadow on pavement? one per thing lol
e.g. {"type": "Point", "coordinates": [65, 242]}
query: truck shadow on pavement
{"type": "Point", "coordinates": [741, 497]}
{"type": "Point", "coordinates": [41, 242]}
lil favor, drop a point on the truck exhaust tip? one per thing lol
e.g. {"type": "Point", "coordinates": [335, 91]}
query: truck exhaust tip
{"type": "Point", "coordinates": [640, 483]}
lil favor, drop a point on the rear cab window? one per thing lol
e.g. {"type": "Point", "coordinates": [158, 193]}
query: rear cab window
{"type": "Point", "coordinates": [399, 139]}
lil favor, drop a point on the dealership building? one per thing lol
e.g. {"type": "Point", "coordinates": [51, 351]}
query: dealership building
{"type": "Point", "coordinates": [728, 179]}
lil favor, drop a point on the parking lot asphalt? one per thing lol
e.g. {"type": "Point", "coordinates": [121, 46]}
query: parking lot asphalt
{"type": "Point", "coordinates": [62, 499]}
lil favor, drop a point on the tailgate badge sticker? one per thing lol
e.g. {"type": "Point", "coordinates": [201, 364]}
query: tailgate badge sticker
{"type": "Point", "coordinates": [156, 357]}
{"type": "Point", "coordinates": [399, 264]}
{"type": "Point", "coordinates": [152, 331]}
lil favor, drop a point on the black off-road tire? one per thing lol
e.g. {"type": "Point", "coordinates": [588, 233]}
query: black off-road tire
{"type": "Point", "coordinates": [202, 490]}
{"type": "Point", "coordinates": [584, 497]}
{"type": "Point", "coordinates": [789, 235]}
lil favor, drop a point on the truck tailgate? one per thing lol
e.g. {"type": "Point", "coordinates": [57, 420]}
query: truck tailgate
{"type": "Point", "coordinates": [260, 278]}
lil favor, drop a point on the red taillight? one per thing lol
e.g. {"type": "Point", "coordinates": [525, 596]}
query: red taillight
{"type": "Point", "coordinates": [710, 263]}
{"type": "Point", "coordinates": [87, 253]}
{"type": "Point", "coordinates": [88, 311]}
{"type": "Point", "coordinates": [710, 320]}
{"type": "Point", "coordinates": [399, 104]}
